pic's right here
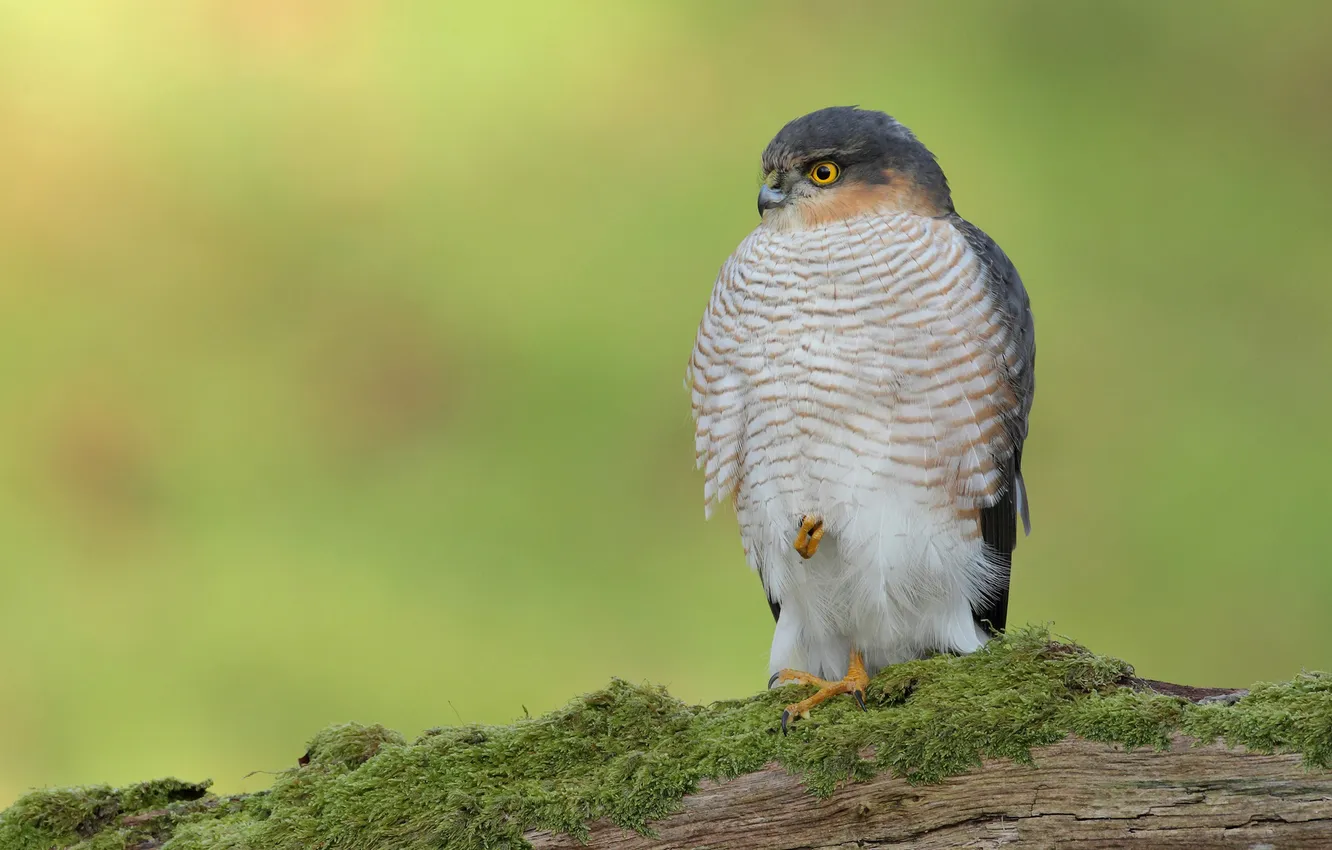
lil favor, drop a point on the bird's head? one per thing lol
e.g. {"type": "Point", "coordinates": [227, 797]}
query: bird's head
{"type": "Point", "coordinates": [842, 162]}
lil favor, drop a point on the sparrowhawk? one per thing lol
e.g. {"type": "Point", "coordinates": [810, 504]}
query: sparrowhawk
{"type": "Point", "coordinates": [861, 385]}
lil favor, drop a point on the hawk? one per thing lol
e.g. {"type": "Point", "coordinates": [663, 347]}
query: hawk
{"type": "Point", "coordinates": [861, 384]}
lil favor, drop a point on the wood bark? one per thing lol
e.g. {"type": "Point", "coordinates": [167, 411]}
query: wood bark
{"type": "Point", "coordinates": [1079, 795]}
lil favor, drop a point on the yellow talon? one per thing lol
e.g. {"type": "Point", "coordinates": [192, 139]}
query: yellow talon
{"type": "Point", "coordinates": [807, 539]}
{"type": "Point", "coordinates": [799, 677]}
{"type": "Point", "coordinates": [854, 683]}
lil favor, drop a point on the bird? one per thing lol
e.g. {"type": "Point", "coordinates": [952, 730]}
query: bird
{"type": "Point", "coordinates": [861, 384]}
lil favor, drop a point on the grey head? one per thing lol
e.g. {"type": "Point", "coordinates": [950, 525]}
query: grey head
{"type": "Point", "coordinates": [864, 148]}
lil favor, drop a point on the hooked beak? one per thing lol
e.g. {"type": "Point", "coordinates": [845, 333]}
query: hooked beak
{"type": "Point", "coordinates": [769, 198]}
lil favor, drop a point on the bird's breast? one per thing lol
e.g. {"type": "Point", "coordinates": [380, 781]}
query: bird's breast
{"type": "Point", "coordinates": [858, 354]}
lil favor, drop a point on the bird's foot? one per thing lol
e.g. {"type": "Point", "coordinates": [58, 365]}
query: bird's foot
{"type": "Point", "coordinates": [854, 683]}
{"type": "Point", "coordinates": [807, 539]}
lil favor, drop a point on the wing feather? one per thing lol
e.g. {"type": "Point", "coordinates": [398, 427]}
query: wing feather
{"type": "Point", "coordinates": [999, 521]}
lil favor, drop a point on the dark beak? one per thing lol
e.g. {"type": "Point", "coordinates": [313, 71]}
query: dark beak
{"type": "Point", "coordinates": [769, 198]}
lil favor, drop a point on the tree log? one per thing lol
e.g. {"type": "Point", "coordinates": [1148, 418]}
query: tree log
{"type": "Point", "coordinates": [1029, 742]}
{"type": "Point", "coordinates": [1078, 794]}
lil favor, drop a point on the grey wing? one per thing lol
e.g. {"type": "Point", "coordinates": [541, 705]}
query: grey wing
{"type": "Point", "coordinates": [999, 521]}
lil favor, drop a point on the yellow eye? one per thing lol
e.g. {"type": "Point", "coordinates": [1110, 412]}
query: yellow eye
{"type": "Point", "coordinates": [824, 173]}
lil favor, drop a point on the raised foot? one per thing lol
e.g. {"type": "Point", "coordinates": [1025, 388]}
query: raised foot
{"type": "Point", "coordinates": [854, 683]}
{"type": "Point", "coordinates": [809, 535]}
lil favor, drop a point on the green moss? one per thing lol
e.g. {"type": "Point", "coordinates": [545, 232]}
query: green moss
{"type": "Point", "coordinates": [350, 745]}
{"type": "Point", "coordinates": [91, 818]}
{"type": "Point", "coordinates": [1293, 717]}
{"type": "Point", "coordinates": [630, 753]}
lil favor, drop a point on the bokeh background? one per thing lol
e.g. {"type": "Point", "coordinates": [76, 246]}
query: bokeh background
{"type": "Point", "coordinates": [343, 343]}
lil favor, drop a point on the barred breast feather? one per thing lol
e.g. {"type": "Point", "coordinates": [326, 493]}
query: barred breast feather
{"type": "Point", "coordinates": [867, 371]}
{"type": "Point", "coordinates": [877, 334]}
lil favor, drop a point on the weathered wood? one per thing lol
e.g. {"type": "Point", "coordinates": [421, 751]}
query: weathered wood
{"type": "Point", "coordinates": [1079, 795]}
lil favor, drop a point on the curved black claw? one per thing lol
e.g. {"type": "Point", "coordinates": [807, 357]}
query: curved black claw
{"type": "Point", "coordinates": [860, 699]}
{"type": "Point", "coordinates": [786, 720]}
{"type": "Point", "coordinates": [773, 678]}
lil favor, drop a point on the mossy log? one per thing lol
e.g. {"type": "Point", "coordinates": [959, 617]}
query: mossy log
{"type": "Point", "coordinates": [1083, 794]}
{"type": "Point", "coordinates": [1032, 742]}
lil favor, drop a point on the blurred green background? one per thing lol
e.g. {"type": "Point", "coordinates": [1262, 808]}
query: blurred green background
{"type": "Point", "coordinates": [343, 346]}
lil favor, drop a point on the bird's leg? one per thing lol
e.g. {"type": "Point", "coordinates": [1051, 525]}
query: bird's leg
{"type": "Point", "coordinates": [854, 683]}
{"type": "Point", "coordinates": [809, 535]}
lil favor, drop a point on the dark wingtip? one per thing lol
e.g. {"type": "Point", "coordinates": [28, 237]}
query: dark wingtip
{"type": "Point", "coordinates": [1023, 508]}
